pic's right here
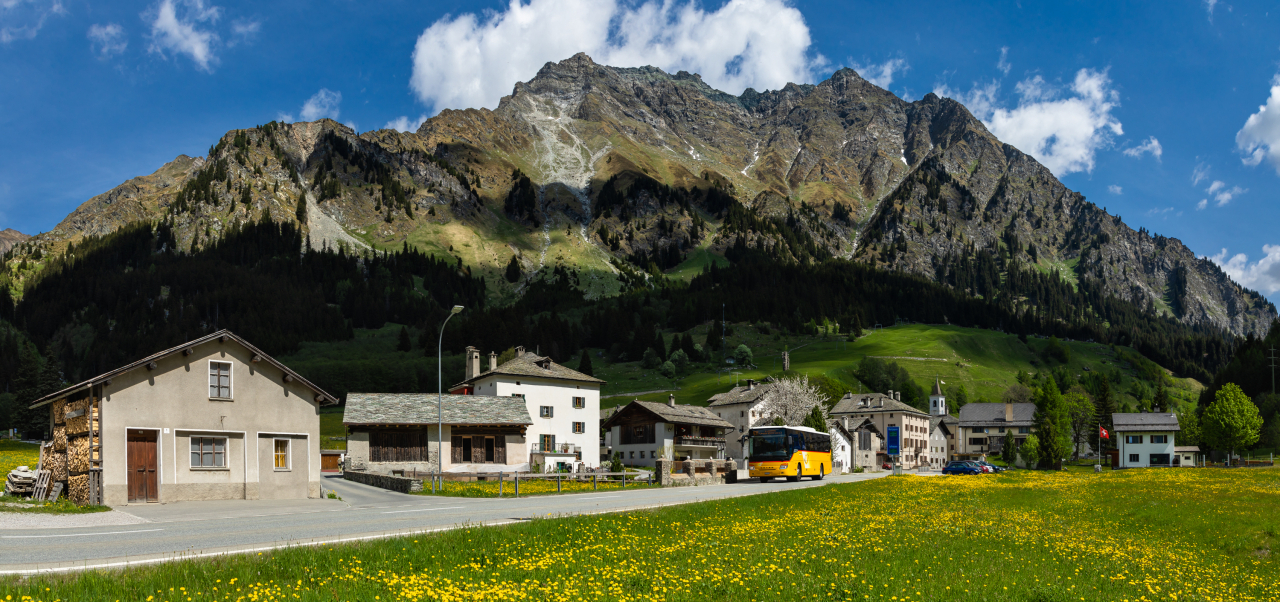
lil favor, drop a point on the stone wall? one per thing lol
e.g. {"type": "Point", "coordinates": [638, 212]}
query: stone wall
{"type": "Point", "coordinates": [694, 472]}
{"type": "Point", "coordinates": [384, 481]}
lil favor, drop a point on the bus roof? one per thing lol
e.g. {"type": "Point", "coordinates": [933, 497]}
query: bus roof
{"type": "Point", "coordinates": [791, 428]}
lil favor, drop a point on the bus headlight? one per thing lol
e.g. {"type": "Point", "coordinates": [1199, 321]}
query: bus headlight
{"type": "Point", "coordinates": [783, 467]}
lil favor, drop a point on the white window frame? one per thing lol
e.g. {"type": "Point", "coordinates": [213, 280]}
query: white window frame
{"type": "Point", "coordinates": [288, 454]}
{"type": "Point", "coordinates": [225, 464]}
{"type": "Point", "coordinates": [231, 379]}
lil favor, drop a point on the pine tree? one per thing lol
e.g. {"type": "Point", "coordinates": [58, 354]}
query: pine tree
{"type": "Point", "coordinates": [405, 344]}
{"type": "Point", "coordinates": [513, 270]}
{"type": "Point", "coordinates": [1160, 403]}
{"type": "Point", "coordinates": [302, 208]}
{"type": "Point", "coordinates": [584, 365]}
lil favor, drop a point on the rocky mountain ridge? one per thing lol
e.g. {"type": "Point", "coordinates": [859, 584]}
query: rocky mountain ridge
{"type": "Point", "coordinates": [615, 172]}
{"type": "Point", "coordinates": [10, 237]}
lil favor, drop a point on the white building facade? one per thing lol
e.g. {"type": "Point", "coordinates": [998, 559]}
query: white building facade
{"type": "Point", "coordinates": [1145, 440]}
{"type": "Point", "coordinates": [563, 404]}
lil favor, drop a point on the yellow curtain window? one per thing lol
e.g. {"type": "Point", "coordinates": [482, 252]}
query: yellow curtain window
{"type": "Point", "coordinates": [282, 453]}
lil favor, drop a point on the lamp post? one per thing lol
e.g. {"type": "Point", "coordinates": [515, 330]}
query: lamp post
{"type": "Point", "coordinates": [457, 309]}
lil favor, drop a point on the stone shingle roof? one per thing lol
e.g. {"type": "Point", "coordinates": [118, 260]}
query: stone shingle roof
{"type": "Point", "coordinates": [532, 364]}
{"type": "Point", "coordinates": [420, 408]}
{"type": "Point", "coordinates": [948, 422]}
{"type": "Point", "coordinates": [680, 414]}
{"type": "Point", "coordinates": [743, 394]}
{"type": "Point", "coordinates": [1148, 421]}
{"type": "Point", "coordinates": [870, 403]}
{"type": "Point", "coordinates": [992, 414]}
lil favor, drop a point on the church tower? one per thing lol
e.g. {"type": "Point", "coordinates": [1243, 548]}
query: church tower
{"type": "Point", "coordinates": [937, 401]}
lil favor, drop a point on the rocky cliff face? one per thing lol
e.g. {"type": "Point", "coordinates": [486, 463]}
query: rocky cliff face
{"type": "Point", "coordinates": [10, 237]}
{"type": "Point", "coordinates": [601, 169]}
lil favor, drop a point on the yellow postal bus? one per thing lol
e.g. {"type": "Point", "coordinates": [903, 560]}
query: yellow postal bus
{"type": "Point", "coordinates": [788, 451]}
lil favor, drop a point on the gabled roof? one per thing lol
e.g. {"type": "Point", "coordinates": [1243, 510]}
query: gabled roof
{"type": "Point", "coordinates": [743, 394]}
{"type": "Point", "coordinates": [992, 414]}
{"type": "Point", "coordinates": [1147, 421]}
{"type": "Point", "coordinates": [948, 423]}
{"type": "Point", "coordinates": [871, 403]}
{"type": "Point", "coordinates": [679, 414]}
{"type": "Point", "coordinates": [1186, 448]}
{"type": "Point", "coordinates": [324, 398]}
{"type": "Point", "coordinates": [531, 364]}
{"type": "Point", "coordinates": [422, 408]}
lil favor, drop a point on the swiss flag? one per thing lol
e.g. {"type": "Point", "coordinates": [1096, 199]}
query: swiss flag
{"type": "Point", "coordinates": [1103, 434]}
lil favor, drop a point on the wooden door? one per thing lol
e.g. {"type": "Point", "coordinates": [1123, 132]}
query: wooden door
{"type": "Point", "coordinates": [329, 462]}
{"type": "Point", "coordinates": [143, 477]}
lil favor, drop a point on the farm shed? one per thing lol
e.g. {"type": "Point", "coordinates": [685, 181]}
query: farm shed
{"type": "Point", "coordinates": [215, 418]}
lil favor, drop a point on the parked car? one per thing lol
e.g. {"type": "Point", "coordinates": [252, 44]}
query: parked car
{"type": "Point", "coordinates": [886, 466]}
{"type": "Point", "coordinates": [959, 467]}
{"type": "Point", "coordinates": [992, 467]}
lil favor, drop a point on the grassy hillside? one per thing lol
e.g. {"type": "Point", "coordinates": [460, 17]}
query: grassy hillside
{"type": "Point", "coordinates": [985, 362]}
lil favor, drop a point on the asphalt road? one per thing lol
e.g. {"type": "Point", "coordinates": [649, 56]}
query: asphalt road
{"type": "Point", "coordinates": [198, 529]}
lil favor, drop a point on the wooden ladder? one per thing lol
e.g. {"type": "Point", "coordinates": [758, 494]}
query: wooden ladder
{"type": "Point", "coordinates": [95, 450]}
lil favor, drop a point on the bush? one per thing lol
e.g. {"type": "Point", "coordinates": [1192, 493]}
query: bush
{"type": "Point", "coordinates": [668, 369]}
{"type": "Point", "coordinates": [742, 356]}
{"type": "Point", "coordinates": [680, 359]}
{"type": "Point", "coordinates": [651, 359]}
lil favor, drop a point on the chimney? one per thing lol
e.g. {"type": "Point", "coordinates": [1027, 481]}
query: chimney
{"type": "Point", "coordinates": [493, 360]}
{"type": "Point", "coordinates": [473, 362]}
{"type": "Point", "coordinates": [520, 351]}
{"type": "Point", "coordinates": [751, 384]}
{"type": "Point", "coordinates": [671, 400]}
{"type": "Point", "coordinates": [1008, 411]}
{"type": "Point", "coordinates": [897, 395]}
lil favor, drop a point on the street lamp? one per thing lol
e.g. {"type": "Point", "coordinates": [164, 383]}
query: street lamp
{"type": "Point", "coordinates": [457, 309]}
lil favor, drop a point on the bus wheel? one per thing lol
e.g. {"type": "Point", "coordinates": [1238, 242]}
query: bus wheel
{"type": "Point", "coordinates": [821, 473]}
{"type": "Point", "coordinates": [798, 474]}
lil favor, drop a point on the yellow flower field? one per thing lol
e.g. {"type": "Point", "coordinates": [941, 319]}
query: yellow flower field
{"type": "Point", "coordinates": [15, 453]}
{"type": "Point", "coordinates": [1181, 534]}
{"type": "Point", "coordinates": [540, 486]}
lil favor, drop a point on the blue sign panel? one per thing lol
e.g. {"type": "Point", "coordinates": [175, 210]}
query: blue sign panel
{"type": "Point", "coordinates": [894, 440]}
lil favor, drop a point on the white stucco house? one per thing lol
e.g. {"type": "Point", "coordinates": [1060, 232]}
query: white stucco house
{"type": "Point", "coordinates": [842, 444]}
{"type": "Point", "coordinates": [743, 407]}
{"type": "Point", "coordinates": [643, 431]}
{"type": "Point", "coordinates": [563, 404]}
{"type": "Point", "coordinates": [1146, 439]}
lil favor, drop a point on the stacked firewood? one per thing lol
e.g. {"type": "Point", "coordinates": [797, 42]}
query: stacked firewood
{"type": "Point", "coordinates": [78, 488]}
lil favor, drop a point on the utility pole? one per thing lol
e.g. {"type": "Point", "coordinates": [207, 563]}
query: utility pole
{"type": "Point", "coordinates": [722, 329]}
{"type": "Point", "coordinates": [1273, 370]}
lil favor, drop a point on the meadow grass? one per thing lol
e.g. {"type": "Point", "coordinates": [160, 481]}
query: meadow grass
{"type": "Point", "coordinates": [1174, 534]}
{"type": "Point", "coordinates": [16, 453]}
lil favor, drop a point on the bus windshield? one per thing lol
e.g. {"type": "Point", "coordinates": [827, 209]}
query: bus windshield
{"type": "Point", "coordinates": [772, 446]}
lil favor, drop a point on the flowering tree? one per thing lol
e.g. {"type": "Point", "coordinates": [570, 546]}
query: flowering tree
{"type": "Point", "coordinates": [792, 400]}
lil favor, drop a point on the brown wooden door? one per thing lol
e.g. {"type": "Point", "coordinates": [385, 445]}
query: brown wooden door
{"type": "Point", "coordinates": [329, 462]}
{"type": "Point", "coordinates": [143, 478]}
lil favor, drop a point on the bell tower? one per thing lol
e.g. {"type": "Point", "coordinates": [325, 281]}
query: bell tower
{"type": "Point", "coordinates": [937, 401]}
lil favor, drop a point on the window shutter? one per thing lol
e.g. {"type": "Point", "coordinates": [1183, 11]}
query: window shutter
{"type": "Point", "coordinates": [500, 449]}
{"type": "Point", "coordinates": [455, 454]}
{"type": "Point", "coordinates": [477, 449]}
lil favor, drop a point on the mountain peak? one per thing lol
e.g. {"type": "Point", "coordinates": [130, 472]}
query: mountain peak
{"type": "Point", "coordinates": [10, 237]}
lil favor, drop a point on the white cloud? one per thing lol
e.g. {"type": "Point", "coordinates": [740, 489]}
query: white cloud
{"type": "Point", "coordinates": [1150, 146]}
{"type": "Point", "coordinates": [1114, 189]}
{"type": "Point", "coordinates": [1003, 64]}
{"type": "Point", "coordinates": [1263, 275]}
{"type": "Point", "coordinates": [321, 104]}
{"type": "Point", "coordinates": [244, 30]}
{"type": "Point", "coordinates": [472, 61]}
{"type": "Point", "coordinates": [882, 74]}
{"type": "Point", "coordinates": [1223, 194]}
{"type": "Point", "coordinates": [1202, 204]}
{"type": "Point", "coordinates": [403, 124]}
{"type": "Point", "coordinates": [1259, 139]}
{"type": "Point", "coordinates": [1208, 7]}
{"type": "Point", "coordinates": [23, 19]}
{"type": "Point", "coordinates": [174, 29]}
{"type": "Point", "coordinates": [1063, 129]}
{"type": "Point", "coordinates": [1157, 211]}
{"type": "Point", "coordinates": [107, 40]}
{"type": "Point", "coordinates": [1199, 174]}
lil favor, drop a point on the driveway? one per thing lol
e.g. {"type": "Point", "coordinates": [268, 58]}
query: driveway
{"type": "Point", "coordinates": [199, 529]}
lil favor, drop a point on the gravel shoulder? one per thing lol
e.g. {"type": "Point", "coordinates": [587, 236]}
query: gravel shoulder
{"type": "Point", "coordinates": [36, 520]}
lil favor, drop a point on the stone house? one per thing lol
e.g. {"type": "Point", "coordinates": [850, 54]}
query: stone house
{"type": "Point", "coordinates": [644, 431]}
{"type": "Point", "coordinates": [563, 403]}
{"type": "Point", "coordinates": [1146, 439]}
{"type": "Point", "coordinates": [398, 432]}
{"type": "Point", "coordinates": [885, 411]}
{"type": "Point", "coordinates": [741, 406]}
{"type": "Point", "coordinates": [983, 427]}
{"type": "Point", "coordinates": [211, 419]}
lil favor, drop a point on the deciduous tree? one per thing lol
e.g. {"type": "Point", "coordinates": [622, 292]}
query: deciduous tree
{"type": "Point", "coordinates": [793, 399]}
{"type": "Point", "coordinates": [1232, 422]}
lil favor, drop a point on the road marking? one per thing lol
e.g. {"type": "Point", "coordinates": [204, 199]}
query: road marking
{"type": "Point", "coordinates": [423, 510]}
{"type": "Point", "coordinates": [603, 497]}
{"type": "Point", "coordinates": [76, 534]}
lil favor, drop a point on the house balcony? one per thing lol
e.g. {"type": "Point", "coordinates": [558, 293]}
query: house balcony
{"type": "Point", "coordinates": [698, 441]}
{"type": "Point", "coordinates": [562, 448]}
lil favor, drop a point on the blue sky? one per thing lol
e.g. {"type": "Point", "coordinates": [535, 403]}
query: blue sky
{"type": "Point", "coordinates": [1167, 114]}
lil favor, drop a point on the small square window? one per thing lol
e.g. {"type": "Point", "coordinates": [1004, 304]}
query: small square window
{"type": "Point", "coordinates": [579, 427]}
{"type": "Point", "coordinates": [1133, 457]}
{"type": "Point", "coordinates": [220, 380]}
{"type": "Point", "coordinates": [633, 455]}
{"type": "Point", "coordinates": [282, 454]}
{"type": "Point", "coordinates": [208, 452]}
{"type": "Point", "coordinates": [546, 411]}
{"type": "Point", "coordinates": [579, 402]}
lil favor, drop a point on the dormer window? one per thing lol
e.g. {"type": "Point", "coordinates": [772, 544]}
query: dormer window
{"type": "Point", "coordinates": [544, 363]}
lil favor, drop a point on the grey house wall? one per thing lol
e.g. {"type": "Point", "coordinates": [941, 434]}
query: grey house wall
{"type": "Point", "coordinates": [173, 401]}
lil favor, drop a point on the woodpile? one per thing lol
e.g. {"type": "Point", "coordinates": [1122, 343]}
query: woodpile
{"type": "Point", "coordinates": [78, 415]}
{"type": "Point", "coordinates": [78, 488]}
{"type": "Point", "coordinates": [58, 411]}
{"type": "Point", "coordinates": [57, 464]}
{"type": "Point", "coordinates": [60, 438]}
{"type": "Point", "coordinates": [21, 481]}
{"type": "Point", "coordinates": [78, 454]}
